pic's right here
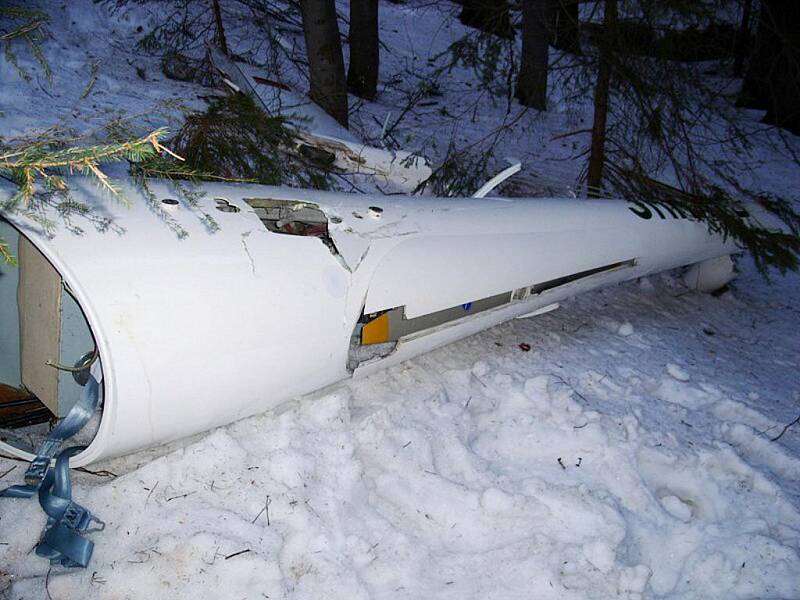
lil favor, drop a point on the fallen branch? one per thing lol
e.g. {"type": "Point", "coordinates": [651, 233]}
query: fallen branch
{"type": "Point", "coordinates": [179, 496]}
{"type": "Point", "coordinates": [100, 473]}
{"type": "Point", "coordinates": [785, 429]}
{"type": "Point", "coordinates": [37, 161]}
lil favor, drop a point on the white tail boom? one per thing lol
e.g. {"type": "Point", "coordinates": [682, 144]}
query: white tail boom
{"type": "Point", "coordinates": [299, 289]}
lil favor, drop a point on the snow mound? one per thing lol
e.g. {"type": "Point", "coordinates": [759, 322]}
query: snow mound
{"type": "Point", "coordinates": [483, 480]}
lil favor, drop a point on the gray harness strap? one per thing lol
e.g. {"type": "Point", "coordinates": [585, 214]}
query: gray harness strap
{"type": "Point", "coordinates": [61, 541]}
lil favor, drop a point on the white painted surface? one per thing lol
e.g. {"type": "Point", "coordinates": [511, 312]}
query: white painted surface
{"type": "Point", "coordinates": [710, 275]}
{"type": "Point", "coordinates": [199, 332]}
{"type": "Point", "coordinates": [490, 185]}
{"type": "Point", "coordinates": [541, 311]}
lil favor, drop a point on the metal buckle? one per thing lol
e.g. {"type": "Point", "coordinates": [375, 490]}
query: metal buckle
{"type": "Point", "coordinates": [34, 474]}
{"type": "Point", "coordinates": [77, 518]}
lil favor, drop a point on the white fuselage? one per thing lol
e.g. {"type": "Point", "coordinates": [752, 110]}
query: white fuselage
{"type": "Point", "coordinates": [199, 332]}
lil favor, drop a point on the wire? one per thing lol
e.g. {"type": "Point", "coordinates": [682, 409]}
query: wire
{"type": "Point", "coordinates": [61, 367]}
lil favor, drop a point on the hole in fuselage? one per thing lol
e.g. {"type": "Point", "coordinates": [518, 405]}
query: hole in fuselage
{"type": "Point", "coordinates": [46, 347]}
{"type": "Point", "coordinates": [377, 334]}
{"type": "Point", "coordinates": [224, 206]}
{"type": "Point", "coordinates": [292, 217]}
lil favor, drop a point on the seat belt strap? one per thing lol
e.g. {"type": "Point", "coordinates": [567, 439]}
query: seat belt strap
{"type": "Point", "coordinates": [61, 541]}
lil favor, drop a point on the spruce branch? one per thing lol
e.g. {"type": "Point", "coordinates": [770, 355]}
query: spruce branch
{"type": "Point", "coordinates": [92, 79]}
{"type": "Point", "coordinates": [36, 19]}
{"type": "Point", "coordinates": [37, 168]}
{"type": "Point", "coordinates": [31, 30]}
{"type": "Point", "coordinates": [42, 164]}
{"type": "Point", "coordinates": [5, 253]}
{"type": "Point", "coordinates": [235, 140]}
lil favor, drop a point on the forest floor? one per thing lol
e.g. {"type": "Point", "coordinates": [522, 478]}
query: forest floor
{"type": "Point", "coordinates": [630, 452]}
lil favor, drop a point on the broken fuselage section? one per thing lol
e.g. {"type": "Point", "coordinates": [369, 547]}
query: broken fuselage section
{"type": "Point", "coordinates": [298, 289]}
{"type": "Point", "coordinates": [46, 345]}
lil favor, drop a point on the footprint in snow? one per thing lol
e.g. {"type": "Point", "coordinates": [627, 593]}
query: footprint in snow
{"type": "Point", "coordinates": [680, 508]}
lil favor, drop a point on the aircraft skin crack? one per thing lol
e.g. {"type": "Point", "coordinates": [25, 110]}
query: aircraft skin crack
{"type": "Point", "coordinates": [247, 252]}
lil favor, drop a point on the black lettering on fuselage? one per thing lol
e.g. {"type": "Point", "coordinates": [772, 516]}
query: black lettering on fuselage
{"type": "Point", "coordinates": [645, 210]}
{"type": "Point", "coordinates": [641, 211]}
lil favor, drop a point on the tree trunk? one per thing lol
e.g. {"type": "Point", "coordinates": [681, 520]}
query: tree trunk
{"type": "Point", "coordinates": [220, 37]}
{"type": "Point", "coordinates": [362, 75]}
{"type": "Point", "coordinates": [742, 39]}
{"type": "Point", "coordinates": [326, 65]}
{"type": "Point", "coordinates": [597, 156]}
{"type": "Point", "coordinates": [565, 28]}
{"type": "Point", "coordinates": [754, 92]}
{"type": "Point", "coordinates": [490, 16]}
{"type": "Point", "coordinates": [532, 79]}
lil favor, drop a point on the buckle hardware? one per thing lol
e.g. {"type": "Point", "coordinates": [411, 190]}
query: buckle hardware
{"type": "Point", "coordinates": [34, 474]}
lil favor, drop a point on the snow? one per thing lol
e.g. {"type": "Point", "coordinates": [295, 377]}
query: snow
{"type": "Point", "coordinates": [628, 454]}
{"type": "Point", "coordinates": [677, 372]}
{"type": "Point", "coordinates": [625, 329]}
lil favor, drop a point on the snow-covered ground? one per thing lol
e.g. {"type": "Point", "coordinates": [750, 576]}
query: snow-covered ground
{"type": "Point", "coordinates": [626, 454]}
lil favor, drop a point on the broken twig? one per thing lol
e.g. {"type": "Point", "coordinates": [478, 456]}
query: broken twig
{"type": "Point", "coordinates": [100, 473]}
{"type": "Point", "coordinates": [151, 490]}
{"type": "Point", "coordinates": [180, 496]}
{"type": "Point", "coordinates": [263, 511]}
{"type": "Point", "coordinates": [785, 429]}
